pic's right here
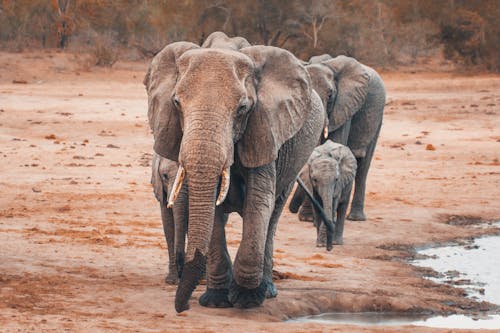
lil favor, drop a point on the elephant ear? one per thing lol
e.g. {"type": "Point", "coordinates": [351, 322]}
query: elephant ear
{"type": "Point", "coordinates": [347, 165]}
{"type": "Point", "coordinates": [160, 81]}
{"type": "Point", "coordinates": [352, 88]}
{"type": "Point", "coordinates": [220, 40]}
{"type": "Point", "coordinates": [282, 105]}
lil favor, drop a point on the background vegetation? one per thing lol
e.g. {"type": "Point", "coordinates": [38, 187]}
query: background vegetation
{"type": "Point", "coordinates": [377, 32]}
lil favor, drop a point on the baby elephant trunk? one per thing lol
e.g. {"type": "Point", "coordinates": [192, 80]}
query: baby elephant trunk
{"type": "Point", "coordinates": [330, 228]}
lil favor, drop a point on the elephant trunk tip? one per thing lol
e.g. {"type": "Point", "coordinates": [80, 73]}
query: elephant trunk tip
{"type": "Point", "coordinates": [191, 275]}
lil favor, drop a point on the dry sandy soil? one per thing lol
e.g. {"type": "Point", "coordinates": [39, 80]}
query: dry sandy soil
{"type": "Point", "coordinates": [81, 243]}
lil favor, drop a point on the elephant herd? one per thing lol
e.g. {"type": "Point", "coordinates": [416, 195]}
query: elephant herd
{"type": "Point", "coordinates": [233, 126]}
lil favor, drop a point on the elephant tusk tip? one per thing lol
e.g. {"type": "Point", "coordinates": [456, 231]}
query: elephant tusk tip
{"type": "Point", "coordinates": [325, 133]}
{"type": "Point", "coordinates": [224, 186]}
{"type": "Point", "coordinates": [179, 179]}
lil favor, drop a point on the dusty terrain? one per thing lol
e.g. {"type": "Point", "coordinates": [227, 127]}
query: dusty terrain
{"type": "Point", "coordinates": [81, 243]}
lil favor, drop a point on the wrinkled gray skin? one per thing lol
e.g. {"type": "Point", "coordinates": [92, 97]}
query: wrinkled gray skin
{"type": "Point", "coordinates": [174, 219]}
{"type": "Point", "coordinates": [329, 174]}
{"type": "Point", "coordinates": [253, 110]}
{"type": "Point", "coordinates": [354, 98]}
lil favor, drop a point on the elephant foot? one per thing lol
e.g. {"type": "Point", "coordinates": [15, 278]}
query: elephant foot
{"type": "Point", "coordinates": [320, 243]}
{"type": "Point", "coordinates": [271, 291]}
{"type": "Point", "coordinates": [338, 241]}
{"type": "Point", "coordinates": [171, 277]}
{"type": "Point", "coordinates": [356, 215]}
{"type": "Point", "coordinates": [245, 298]}
{"type": "Point", "coordinates": [215, 298]}
{"type": "Point", "coordinates": [321, 240]}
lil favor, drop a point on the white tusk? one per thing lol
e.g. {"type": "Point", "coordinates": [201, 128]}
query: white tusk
{"type": "Point", "coordinates": [179, 179]}
{"type": "Point", "coordinates": [325, 132]}
{"type": "Point", "coordinates": [224, 186]}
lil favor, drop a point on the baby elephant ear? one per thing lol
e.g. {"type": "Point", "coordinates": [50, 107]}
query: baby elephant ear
{"type": "Point", "coordinates": [160, 81]}
{"type": "Point", "coordinates": [283, 104]}
{"type": "Point", "coordinates": [220, 40]}
{"type": "Point", "coordinates": [347, 166]}
{"type": "Point", "coordinates": [352, 89]}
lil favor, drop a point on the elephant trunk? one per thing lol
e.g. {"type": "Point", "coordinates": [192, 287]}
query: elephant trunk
{"type": "Point", "coordinates": [326, 195]}
{"type": "Point", "coordinates": [204, 160]}
{"type": "Point", "coordinates": [323, 215]}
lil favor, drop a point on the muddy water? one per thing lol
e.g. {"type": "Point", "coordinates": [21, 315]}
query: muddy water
{"type": "Point", "coordinates": [395, 319]}
{"type": "Point", "coordinates": [474, 267]}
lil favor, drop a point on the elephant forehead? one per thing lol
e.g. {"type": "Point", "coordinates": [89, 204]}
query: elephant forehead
{"type": "Point", "coordinates": [321, 78]}
{"type": "Point", "coordinates": [212, 73]}
{"type": "Point", "coordinates": [320, 71]}
{"type": "Point", "coordinates": [324, 168]}
{"type": "Point", "coordinates": [212, 60]}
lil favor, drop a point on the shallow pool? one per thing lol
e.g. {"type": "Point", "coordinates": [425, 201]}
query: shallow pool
{"type": "Point", "coordinates": [395, 319]}
{"type": "Point", "coordinates": [475, 267]}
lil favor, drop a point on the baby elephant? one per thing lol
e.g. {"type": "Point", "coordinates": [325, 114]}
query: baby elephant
{"type": "Point", "coordinates": [174, 219]}
{"type": "Point", "coordinates": [329, 175]}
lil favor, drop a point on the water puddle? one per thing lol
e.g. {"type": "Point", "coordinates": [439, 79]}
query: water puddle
{"type": "Point", "coordinates": [395, 319]}
{"type": "Point", "coordinates": [474, 267]}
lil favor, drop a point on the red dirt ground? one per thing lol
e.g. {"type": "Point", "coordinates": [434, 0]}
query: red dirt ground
{"type": "Point", "coordinates": [81, 243]}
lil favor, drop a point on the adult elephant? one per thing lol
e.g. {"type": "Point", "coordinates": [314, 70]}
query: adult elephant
{"type": "Point", "coordinates": [241, 124]}
{"type": "Point", "coordinates": [354, 98]}
{"type": "Point", "coordinates": [175, 219]}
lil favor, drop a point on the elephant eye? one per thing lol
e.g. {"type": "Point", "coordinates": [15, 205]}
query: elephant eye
{"type": "Point", "coordinates": [330, 94]}
{"type": "Point", "coordinates": [242, 108]}
{"type": "Point", "coordinates": [175, 101]}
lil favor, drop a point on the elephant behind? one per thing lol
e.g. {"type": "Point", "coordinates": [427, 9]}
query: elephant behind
{"type": "Point", "coordinates": [353, 95]}
{"type": "Point", "coordinates": [328, 175]}
{"type": "Point", "coordinates": [174, 219]}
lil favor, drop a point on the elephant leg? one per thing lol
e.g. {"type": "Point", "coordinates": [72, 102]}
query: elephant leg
{"type": "Point", "coordinates": [338, 238]}
{"type": "Point", "coordinates": [218, 266]}
{"type": "Point", "coordinates": [358, 202]}
{"type": "Point", "coordinates": [268, 255]}
{"type": "Point", "coordinates": [248, 288]}
{"type": "Point", "coordinates": [167, 220]}
{"type": "Point", "coordinates": [305, 212]}
{"type": "Point", "coordinates": [320, 229]}
{"type": "Point", "coordinates": [297, 200]}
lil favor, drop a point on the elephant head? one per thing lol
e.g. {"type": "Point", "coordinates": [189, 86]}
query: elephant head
{"type": "Point", "coordinates": [342, 84]}
{"type": "Point", "coordinates": [209, 107]}
{"type": "Point", "coordinates": [220, 40]}
{"type": "Point", "coordinates": [332, 168]}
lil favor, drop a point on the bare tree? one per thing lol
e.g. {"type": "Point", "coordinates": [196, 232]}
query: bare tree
{"type": "Point", "coordinates": [313, 17]}
{"type": "Point", "coordinates": [64, 22]}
